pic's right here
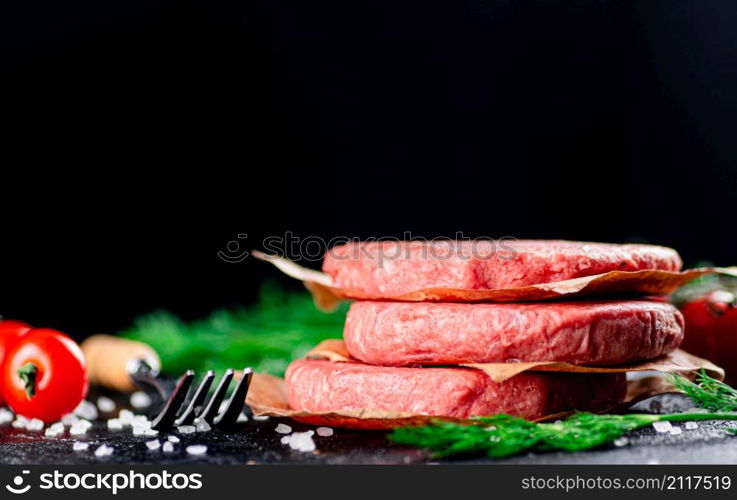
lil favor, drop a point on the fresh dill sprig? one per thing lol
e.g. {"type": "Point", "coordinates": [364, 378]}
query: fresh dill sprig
{"type": "Point", "coordinates": [266, 336]}
{"type": "Point", "coordinates": [501, 436]}
{"type": "Point", "coordinates": [707, 392]}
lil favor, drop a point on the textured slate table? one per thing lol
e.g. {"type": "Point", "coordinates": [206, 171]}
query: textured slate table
{"type": "Point", "coordinates": [256, 442]}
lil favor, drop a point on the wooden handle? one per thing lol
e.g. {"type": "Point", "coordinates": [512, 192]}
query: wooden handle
{"type": "Point", "coordinates": [108, 358]}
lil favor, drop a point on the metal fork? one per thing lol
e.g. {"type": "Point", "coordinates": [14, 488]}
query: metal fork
{"type": "Point", "coordinates": [124, 365]}
{"type": "Point", "coordinates": [179, 409]}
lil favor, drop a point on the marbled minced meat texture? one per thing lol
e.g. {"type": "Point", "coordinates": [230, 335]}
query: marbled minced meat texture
{"type": "Point", "coordinates": [389, 269]}
{"type": "Point", "coordinates": [584, 333]}
{"type": "Point", "coordinates": [323, 386]}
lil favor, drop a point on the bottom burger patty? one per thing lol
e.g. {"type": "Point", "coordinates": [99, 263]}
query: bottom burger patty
{"type": "Point", "coordinates": [323, 386]}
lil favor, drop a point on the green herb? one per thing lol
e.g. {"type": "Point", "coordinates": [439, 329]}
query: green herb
{"type": "Point", "coordinates": [282, 326]}
{"type": "Point", "coordinates": [707, 392]}
{"type": "Point", "coordinates": [503, 435]}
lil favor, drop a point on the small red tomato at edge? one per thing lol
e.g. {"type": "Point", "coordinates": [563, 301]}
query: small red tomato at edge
{"type": "Point", "coordinates": [10, 333]}
{"type": "Point", "coordinates": [44, 375]}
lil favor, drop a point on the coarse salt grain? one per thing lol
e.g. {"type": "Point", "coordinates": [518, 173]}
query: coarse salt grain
{"type": "Point", "coordinates": [301, 441]}
{"type": "Point", "coordinates": [86, 410]}
{"type": "Point", "coordinates": [664, 426]}
{"type": "Point", "coordinates": [144, 430]}
{"type": "Point", "coordinates": [55, 429]}
{"type": "Point", "coordinates": [676, 431]}
{"type": "Point", "coordinates": [261, 418]}
{"type": "Point", "coordinates": [283, 429]}
{"type": "Point", "coordinates": [35, 425]}
{"type": "Point", "coordinates": [80, 446]}
{"type": "Point", "coordinates": [172, 439]}
{"type": "Point", "coordinates": [186, 429]}
{"type": "Point", "coordinates": [80, 427]}
{"type": "Point", "coordinates": [153, 445]}
{"type": "Point", "coordinates": [114, 424]}
{"type": "Point", "coordinates": [104, 451]}
{"type": "Point", "coordinates": [623, 441]}
{"type": "Point", "coordinates": [242, 418]}
{"type": "Point", "coordinates": [168, 447]}
{"type": "Point", "coordinates": [202, 426]}
{"type": "Point", "coordinates": [324, 431]}
{"type": "Point", "coordinates": [691, 426]}
{"type": "Point", "coordinates": [20, 422]}
{"type": "Point", "coordinates": [126, 416]}
{"type": "Point", "coordinates": [140, 399]}
{"type": "Point", "coordinates": [6, 416]}
{"type": "Point", "coordinates": [69, 419]}
{"type": "Point", "coordinates": [197, 449]}
{"type": "Point", "coordinates": [105, 404]}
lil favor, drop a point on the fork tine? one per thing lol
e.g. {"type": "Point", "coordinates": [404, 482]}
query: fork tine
{"type": "Point", "coordinates": [235, 404]}
{"type": "Point", "coordinates": [166, 417]}
{"type": "Point", "coordinates": [188, 415]}
{"type": "Point", "coordinates": [208, 414]}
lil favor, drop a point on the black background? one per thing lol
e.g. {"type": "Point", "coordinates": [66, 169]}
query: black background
{"type": "Point", "coordinates": [142, 136]}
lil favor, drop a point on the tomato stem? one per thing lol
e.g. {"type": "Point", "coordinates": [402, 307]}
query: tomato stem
{"type": "Point", "coordinates": [28, 373]}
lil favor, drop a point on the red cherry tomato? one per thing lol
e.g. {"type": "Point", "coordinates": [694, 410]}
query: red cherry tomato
{"type": "Point", "coordinates": [44, 375]}
{"type": "Point", "coordinates": [711, 330]}
{"type": "Point", "coordinates": [10, 332]}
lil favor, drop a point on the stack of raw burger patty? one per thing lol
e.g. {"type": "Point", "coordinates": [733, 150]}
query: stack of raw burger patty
{"type": "Point", "coordinates": [407, 349]}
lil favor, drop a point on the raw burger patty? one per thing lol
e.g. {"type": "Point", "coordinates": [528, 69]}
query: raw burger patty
{"type": "Point", "coordinates": [583, 333]}
{"type": "Point", "coordinates": [323, 386]}
{"type": "Point", "coordinates": [390, 269]}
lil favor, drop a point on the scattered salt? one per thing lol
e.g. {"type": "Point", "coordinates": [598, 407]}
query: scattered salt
{"type": "Point", "coordinates": [55, 429]}
{"type": "Point", "coordinates": [126, 416]}
{"type": "Point", "coordinates": [676, 431]}
{"type": "Point", "coordinates": [80, 427]}
{"type": "Point", "coordinates": [283, 429]}
{"type": "Point", "coordinates": [6, 416]}
{"type": "Point", "coordinates": [623, 441]}
{"type": "Point", "coordinates": [20, 422]}
{"type": "Point", "coordinates": [153, 445]}
{"type": "Point", "coordinates": [261, 418]}
{"type": "Point", "coordinates": [69, 419]}
{"type": "Point", "coordinates": [80, 446]}
{"type": "Point", "coordinates": [144, 429]}
{"type": "Point", "coordinates": [662, 426]}
{"type": "Point", "coordinates": [172, 439]}
{"type": "Point", "coordinates": [242, 418]}
{"type": "Point", "coordinates": [691, 426]}
{"type": "Point", "coordinates": [35, 425]}
{"type": "Point", "coordinates": [301, 441]}
{"type": "Point", "coordinates": [286, 439]}
{"type": "Point", "coordinates": [202, 426]}
{"type": "Point", "coordinates": [324, 431]}
{"type": "Point", "coordinates": [168, 447]}
{"type": "Point", "coordinates": [104, 451]}
{"type": "Point", "coordinates": [86, 410]}
{"type": "Point", "coordinates": [140, 399]}
{"type": "Point", "coordinates": [186, 429]}
{"type": "Point", "coordinates": [197, 449]}
{"type": "Point", "coordinates": [114, 424]}
{"type": "Point", "coordinates": [105, 404]}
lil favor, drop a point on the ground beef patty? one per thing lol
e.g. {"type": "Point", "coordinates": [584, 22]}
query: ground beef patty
{"type": "Point", "coordinates": [583, 333]}
{"type": "Point", "coordinates": [322, 386]}
{"type": "Point", "coordinates": [390, 269]}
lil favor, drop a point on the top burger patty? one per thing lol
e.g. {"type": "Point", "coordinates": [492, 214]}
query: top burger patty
{"type": "Point", "coordinates": [390, 269]}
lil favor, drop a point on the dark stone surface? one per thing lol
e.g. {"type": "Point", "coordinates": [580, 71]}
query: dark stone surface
{"type": "Point", "coordinates": [257, 442]}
